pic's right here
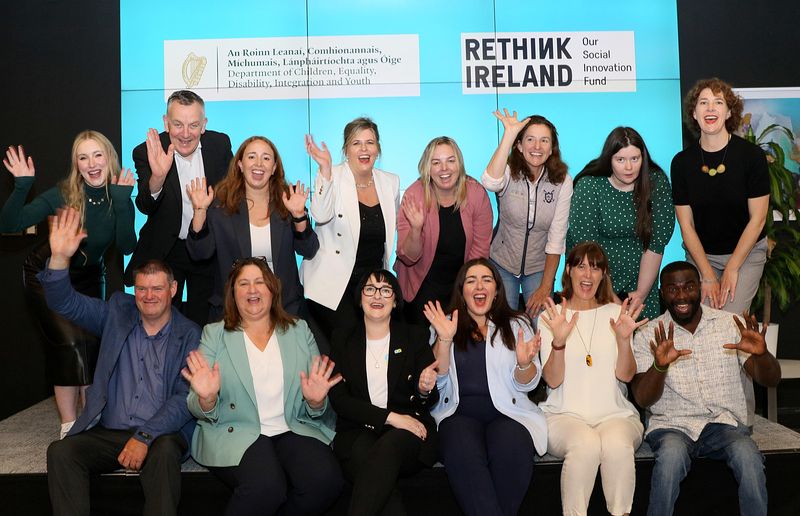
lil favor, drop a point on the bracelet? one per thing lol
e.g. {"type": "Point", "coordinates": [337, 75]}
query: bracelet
{"type": "Point", "coordinates": [444, 341]}
{"type": "Point", "coordinates": [199, 209]}
{"type": "Point", "coordinates": [655, 366]}
{"type": "Point", "coordinates": [558, 348]}
{"type": "Point", "coordinates": [707, 280]}
{"type": "Point", "coordinates": [298, 220]}
{"type": "Point", "coordinates": [520, 368]}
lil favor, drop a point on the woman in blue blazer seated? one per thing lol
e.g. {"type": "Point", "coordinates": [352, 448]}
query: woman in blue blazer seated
{"type": "Point", "coordinates": [384, 429]}
{"type": "Point", "coordinates": [259, 391]}
{"type": "Point", "coordinates": [256, 213]}
{"type": "Point", "coordinates": [487, 357]}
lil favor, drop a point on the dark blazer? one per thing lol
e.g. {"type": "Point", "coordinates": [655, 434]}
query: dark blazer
{"type": "Point", "coordinates": [112, 321]}
{"type": "Point", "coordinates": [228, 236]}
{"type": "Point", "coordinates": [159, 233]}
{"type": "Point", "coordinates": [409, 354]}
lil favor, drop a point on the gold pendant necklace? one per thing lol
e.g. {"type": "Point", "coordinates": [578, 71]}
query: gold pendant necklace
{"type": "Point", "coordinates": [588, 350]}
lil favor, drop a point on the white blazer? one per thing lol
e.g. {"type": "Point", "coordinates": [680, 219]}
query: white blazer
{"type": "Point", "coordinates": [509, 396]}
{"type": "Point", "coordinates": [334, 209]}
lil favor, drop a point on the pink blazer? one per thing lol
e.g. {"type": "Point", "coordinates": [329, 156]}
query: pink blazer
{"type": "Point", "coordinates": [476, 217]}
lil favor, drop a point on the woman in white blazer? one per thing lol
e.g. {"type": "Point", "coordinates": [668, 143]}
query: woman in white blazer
{"type": "Point", "coordinates": [354, 206]}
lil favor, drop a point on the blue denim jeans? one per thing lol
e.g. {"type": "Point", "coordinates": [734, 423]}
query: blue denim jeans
{"type": "Point", "coordinates": [674, 452]}
{"type": "Point", "coordinates": [512, 284]}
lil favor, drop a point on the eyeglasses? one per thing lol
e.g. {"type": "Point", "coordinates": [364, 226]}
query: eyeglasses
{"type": "Point", "coordinates": [369, 291]}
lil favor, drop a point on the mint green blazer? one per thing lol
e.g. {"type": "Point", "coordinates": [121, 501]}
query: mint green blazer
{"type": "Point", "coordinates": [224, 434]}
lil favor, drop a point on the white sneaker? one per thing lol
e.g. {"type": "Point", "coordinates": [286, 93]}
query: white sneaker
{"type": "Point", "coordinates": [65, 428]}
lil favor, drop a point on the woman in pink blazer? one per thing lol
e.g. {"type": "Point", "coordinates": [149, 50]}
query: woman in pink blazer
{"type": "Point", "coordinates": [445, 219]}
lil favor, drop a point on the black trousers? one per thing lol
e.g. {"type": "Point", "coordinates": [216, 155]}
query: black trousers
{"type": "Point", "coordinates": [72, 460]}
{"type": "Point", "coordinates": [198, 277]}
{"type": "Point", "coordinates": [489, 464]}
{"type": "Point", "coordinates": [373, 465]}
{"type": "Point", "coordinates": [285, 474]}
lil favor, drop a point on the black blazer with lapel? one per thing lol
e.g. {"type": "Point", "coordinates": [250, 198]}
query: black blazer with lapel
{"type": "Point", "coordinates": [227, 236]}
{"type": "Point", "coordinates": [409, 354]}
{"type": "Point", "coordinates": [159, 233]}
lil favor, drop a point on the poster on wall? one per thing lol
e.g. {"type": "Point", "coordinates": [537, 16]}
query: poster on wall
{"type": "Point", "coordinates": [771, 118]}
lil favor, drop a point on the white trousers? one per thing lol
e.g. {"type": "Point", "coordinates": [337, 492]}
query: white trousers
{"type": "Point", "coordinates": [609, 445]}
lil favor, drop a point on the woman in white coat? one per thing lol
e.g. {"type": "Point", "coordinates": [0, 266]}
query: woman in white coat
{"type": "Point", "coordinates": [354, 206]}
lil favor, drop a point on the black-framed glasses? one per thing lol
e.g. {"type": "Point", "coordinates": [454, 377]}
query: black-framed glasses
{"type": "Point", "coordinates": [385, 292]}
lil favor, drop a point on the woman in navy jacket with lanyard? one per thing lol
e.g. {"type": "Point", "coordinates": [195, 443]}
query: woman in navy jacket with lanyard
{"type": "Point", "coordinates": [355, 207]}
{"type": "Point", "coordinates": [259, 391]}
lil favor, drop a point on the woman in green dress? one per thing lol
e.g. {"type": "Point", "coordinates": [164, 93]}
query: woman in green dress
{"type": "Point", "coordinates": [623, 201]}
{"type": "Point", "coordinates": [101, 193]}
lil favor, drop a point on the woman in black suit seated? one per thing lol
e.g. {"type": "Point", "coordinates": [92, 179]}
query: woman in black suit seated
{"type": "Point", "coordinates": [256, 214]}
{"type": "Point", "coordinates": [384, 427]}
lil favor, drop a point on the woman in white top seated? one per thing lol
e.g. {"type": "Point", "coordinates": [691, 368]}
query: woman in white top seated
{"type": "Point", "coordinates": [587, 355]}
{"type": "Point", "coordinates": [259, 392]}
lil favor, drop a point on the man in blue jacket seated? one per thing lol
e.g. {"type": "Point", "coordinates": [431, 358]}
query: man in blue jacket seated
{"type": "Point", "coordinates": [135, 415]}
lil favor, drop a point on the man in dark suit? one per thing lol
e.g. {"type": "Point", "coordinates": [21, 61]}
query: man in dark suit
{"type": "Point", "coordinates": [135, 415]}
{"type": "Point", "coordinates": [165, 164]}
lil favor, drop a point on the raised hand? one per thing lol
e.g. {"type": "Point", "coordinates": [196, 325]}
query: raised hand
{"type": "Point", "coordinates": [66, 235]}
{"type": "Point", "coordinates": [160, 162]}
{"type": "Point", "coordinates": [557, 321]}
{"type": "Point", "coordinates": [413, 212]}
{"type": "Point", "coordinates": [511, 124]}
{"type": "Point", "coordinates": [321, 155]}
{"type": "Point", "coordinates": [318, 382]}
{"type": "Point", "coordinates": [445, 327]}
{"type": "Point", "coordinates": [626, 323]}
{"type": "Point", "coordinates": [125, 178]}
{"type": "Point", "coordinates": [427, 378]}
{"type": "Point", "coordinates": [204, 380]}
{"type": "Point", "coordinates": [753, 340]}
{"type": "Point", "coordinates": [295, 199]}
{"type": "Point", "coordinates": [408, 423]}
{"type": "Point", "coordinates": [16, 162]}
{"type": "Point", "coordinates": [201, 195]}
{"type": "Point", "coordinates": [527, 350]}
{"type": "Point", "coordinates": [663, 346]}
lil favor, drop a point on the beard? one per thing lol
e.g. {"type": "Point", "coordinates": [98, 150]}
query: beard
{"type": "Point", "coordinates": [681, 318]}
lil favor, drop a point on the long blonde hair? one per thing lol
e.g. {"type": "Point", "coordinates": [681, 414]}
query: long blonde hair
{"type": "Point", "coordinates": [424, 168]}
{"type": "Point", "coordinates": [72, 189]}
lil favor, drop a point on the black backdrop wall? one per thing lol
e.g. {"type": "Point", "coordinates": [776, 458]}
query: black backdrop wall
{"type": "Point", "coordinates": [61, 75]}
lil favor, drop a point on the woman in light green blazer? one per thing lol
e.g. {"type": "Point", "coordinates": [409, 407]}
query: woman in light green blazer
{"type": "Point", "coordinates": [259, 392]}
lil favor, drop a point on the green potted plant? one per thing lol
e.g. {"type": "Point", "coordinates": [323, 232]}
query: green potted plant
{"type": "Point", "coordinates": [781, 278]}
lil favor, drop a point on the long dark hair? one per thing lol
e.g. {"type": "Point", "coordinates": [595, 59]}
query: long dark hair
{"type": "Point", "coordinates": [618, 139]}
{"type": "Point", "coordinates": [555, 166]}
{"type": "Point", "coordinates": [278, 316]}
{"type": "Point", "coordinates": [500, 313]}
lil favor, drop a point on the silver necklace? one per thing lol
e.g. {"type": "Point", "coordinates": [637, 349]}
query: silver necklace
{"type": "Point", "coordinates": [377, 360]}
{"type": "Point", "coordinates": [367, 185]}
